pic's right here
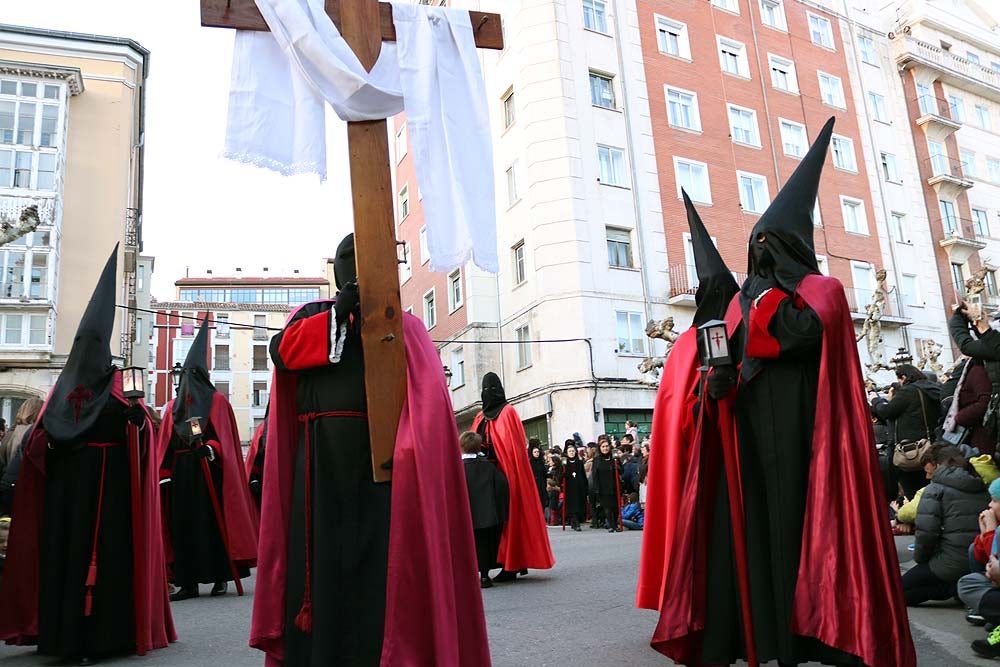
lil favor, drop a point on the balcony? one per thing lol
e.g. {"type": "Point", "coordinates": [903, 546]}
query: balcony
{"type": "Point", "coordinates": [892, 311]}
{"type": "Point", "coordinates": [48, 208]}
{"type": "Point", "coordinates": [937, 118]}
{"type": "Point", "coordinates": [684, 284]}
{"type": "Point", "coordinates": [946, 176]}
{"type": "Point", "coordinates": [953, 70]}
{"type": "Point", "coordinates": [959, 238]}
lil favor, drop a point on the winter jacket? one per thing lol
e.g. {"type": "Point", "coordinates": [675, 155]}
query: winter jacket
{"type": "Point", "coordinates": [948, 521]}
{"type": "Point", "coordinates": [632, 512]}
{"type": "Point", "coordinates": [643, 469]}
{"type": "Point", "coordinates": [908, 512]}
{"type": "Point", "coordinates": [973, 399]}
{"type": "Point", "coordinates": [986, 468]}
{"type": "Point", "coordinates": [605, 472]}
{"type": "Point", "coordinates": [630, 475]}
{"type": "Point", "coordinates": [986, 346]}
{"type": "Point", "coordinates": [983, 546]}
{"type": "Point", "coordinates": [905, 408]}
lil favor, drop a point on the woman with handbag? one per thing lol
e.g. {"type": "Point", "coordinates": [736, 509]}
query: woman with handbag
{"type": "Point", "coordinates": [915, 408]}
{"type": "Point", "coordinates": [964, 423]}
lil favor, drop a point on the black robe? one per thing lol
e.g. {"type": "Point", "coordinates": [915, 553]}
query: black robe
{"type": "Point", "coordinates": [540, 472]}
{"type": "Point", "coordinates": [350, 512]}
{"type": "Point", "coordinates": [489, 497]}
{"type": "Point", "coordinates": [199, 553]}
{"type": "Point", "coordinates": [72, 497]}
{"type": "Point", "coordinates": [575, 481]}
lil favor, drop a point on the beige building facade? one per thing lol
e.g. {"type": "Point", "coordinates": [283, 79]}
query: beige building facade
{"type": "Point", "coordinates": [71, 143]}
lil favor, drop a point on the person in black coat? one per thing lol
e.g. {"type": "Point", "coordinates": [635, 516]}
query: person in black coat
{"type": "Point", "coordinates": [540, 470]}
{"type": "Point", "coordinates": [574, 487]}
{"type": "Point", "coordinates": [607, 484]}
{"type": "Point", "coordinates": [489, 496]}
{"type": "Point", "coordinates": [915, 409]}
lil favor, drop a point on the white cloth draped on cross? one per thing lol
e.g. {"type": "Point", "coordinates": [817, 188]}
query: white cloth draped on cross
{"type": "Point", "coordinates": [281, 80]}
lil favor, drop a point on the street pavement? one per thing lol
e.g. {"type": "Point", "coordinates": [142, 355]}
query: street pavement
{"type": "Point", "coordinates": [581, 613]}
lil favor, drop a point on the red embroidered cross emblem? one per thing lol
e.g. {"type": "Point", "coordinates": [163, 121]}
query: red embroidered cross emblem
{"type": "Point", "coordinates": [77, 398]}
{"type": "Point", "coordinates": [718, 340]}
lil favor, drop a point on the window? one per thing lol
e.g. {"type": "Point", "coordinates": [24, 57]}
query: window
{"type": "Point", "coordinates": [820, 31]}
{"type": "Point", "coordinates": [611, 162]}
{"type": "Point", "coordinates": [968, 163]}
{"type": "Point", "coordinates": [405, 264]}
{"type": "Point", "coordinates": [259, 358]}
{"type": "Point", "coordinates": [733, 57]}
{"type": "Point", "coordinates": [899, 227]}
{"type": "Point", "coordinates": [939, 159]}
{"type": "Point", "coordinates": [602, 92]}
{"type": "Point", "coordinates": [517, 255]}
{"type": "Point", "coordinates": [793, 138]}
{"type": "Point", "coordinates": [991, 283]}
{"type": "Point", "coordinates": [138, 330]}
{"type": "Point", "coordinates": [221, 358]}
{"type": "Point", "coordinates": [33, 127]}
{"type": "Point", "coordinates": [222, 388]}
{"type": "Point", "coordinates": [993, 169]}
{"type": "Point", "coordinates": [430, 310]}
{"type": "Point", "coordinates": [512, 194]}
{"type": "Point", "coordinates": [911, 291]}
{"type": "Point", "coordinates": [889, 171]}
{"type": "Point", "coordinates": [693, 178]}
{"type": "Point", "coordinates": [772, 14]}
{"type": "Point", "coordinates": [457, 367]}
{"type": "Point", "coordinates": [972, 58]}
{"type": "Point", "coordinates": [823, 265]}
{"type": "Point", "coordinates": [404, 202]}
{"type": "Point", "coordinates": [925, 99]}
{"type": "Point", "coordinates": [983, 116]}
{"type": "Point", "coordinates": [831, 90]}
{"type": "Point", "coordinates": [863, 276]}
{"type": "Point", "coordinates": [672, 38]}
{"type": "Point", "coordinates": [25, 268]}
{"type": "Point", "coordinates": [958, 278]}
{"type": "Point", "coordinates": [728, 5]}
{"type": "Point", "coordinates": [995, 66]}
{"type": "Point", "coordinates": [866, 46]}
{"type": "Point", "coordinates": [682, 109]}
{"type": "Point", "coordinates": [140, 280]}
{"type": "Point", "coordinates": [595, 15]}
{"type": "Point", "coordinates": [424, 254]}
{"type": "Point", "coordinates": [401, 143]}
{"type": "Point", "coordinates": [259, 394]}
{"type": "Point", "coordinates": [523, 334]}
{"type": "Point", "coordinates": [454, 290]}
{"type": "Point", "coordinates": [980, 222]}
{"type": "Point", "coordinates": [843, 153]}
{"type": "Point", "coordinates": [879, 111]}
{"type": "Point", "coordinates": [783, 74]}
{"type": "Point", "coordinates": [754, 197]}
{"type": "Point", "coordinates": [816, 219]}
{"type": "Point", "coordinates": [260, 327]}
{"type": "Point", "coordinates": [619, 248]}
{"type": "Point", "coordinates": [508, 108]}
{"type": "Point", "coordinates": [957, 107]}
{"type": "Point", "coordinates": [949, 221]}
{"type": "Point", "coordinates": [631, 333]}
{"type": "Point", "coordinates": [854, 215]}
{"type": "Point", "coordinates": [743, 126]}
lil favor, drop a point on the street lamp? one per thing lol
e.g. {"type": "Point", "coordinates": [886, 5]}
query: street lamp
{"type": "Point", "coordinates": [448, 375]}
{"type": "Point", "coordinates": [175, 375]}
{"type": "Point", "coordinates": [902, 357]}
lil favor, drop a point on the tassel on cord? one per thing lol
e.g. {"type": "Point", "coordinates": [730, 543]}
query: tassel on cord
{"type": "Point", "coordinates": [91, 582]}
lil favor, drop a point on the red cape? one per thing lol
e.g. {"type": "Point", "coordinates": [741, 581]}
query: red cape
{"type": "Point", "coordinates": [252, 451]}
{"type": "Point", "coordinates": [525, 540]}
{"type": "Point", "coordinates": [434, 609]}
{"type": "Point", "coordinates": [238, 508]}
{"type": "Point", "coordinates": [19, 588]}
{"type": "Point", "coordinates": [854, 600]}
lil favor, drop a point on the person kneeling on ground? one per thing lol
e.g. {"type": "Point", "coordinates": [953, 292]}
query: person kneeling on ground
{"type": "Point", "coordinates": [632, 514]}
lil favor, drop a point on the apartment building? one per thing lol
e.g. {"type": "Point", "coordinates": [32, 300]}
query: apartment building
{"type": "Point", "coordinates": [244, 313]}
{"type": "Point", "coordinates": [71, 134]}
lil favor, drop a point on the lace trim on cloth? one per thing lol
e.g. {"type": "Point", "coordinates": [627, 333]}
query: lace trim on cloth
{"type": "Point", "coordinates": [264, 162]}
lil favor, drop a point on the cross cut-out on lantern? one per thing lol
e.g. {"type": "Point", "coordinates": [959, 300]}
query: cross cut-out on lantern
{"type": "Point", "coordinates": [713, 344]}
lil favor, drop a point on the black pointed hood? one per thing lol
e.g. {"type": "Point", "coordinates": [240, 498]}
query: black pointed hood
{"type": "Point", "coordinates": [83, 387]}
{"type": "Point", "coordinates": [195, 391]}
{"type": "Point", "coordinates": [345, 268]}
{"type": "Point", "coordinates": [494, 398]}
{"type": "Point", "coordinates": [788, 225]}
{"type": "Point", "coordinates": [716, 285]}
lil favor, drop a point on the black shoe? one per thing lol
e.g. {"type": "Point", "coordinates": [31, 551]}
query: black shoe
{"type": "Point", "coordinates": [972, 618]}
{"type": "Point", "coordinates": [523, 572]}
{"type": "Point", "coordinates": [220, 588]}
{"type": "Point", "coordinates": [504, 576]}
{"type": "Point", "coordinates": [578, 529]}
{"type": "Point", "coordinates": [184, 594]}
{"type": "Point", "coordinates": [989, 647]}
{"type": "Point", "coordinates": [485, 582]}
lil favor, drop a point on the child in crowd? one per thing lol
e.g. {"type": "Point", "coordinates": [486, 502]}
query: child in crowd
{"type": "Point", "coordinates": [632, 514]}
{"type": "Point", "coordinates": [555, 503]}
{"type": "Point", "coordinates": [489, 497]}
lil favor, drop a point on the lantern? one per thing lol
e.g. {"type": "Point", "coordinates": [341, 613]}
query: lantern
{"type": "Point", "coordinates": [195, 424]}
{"type": "Point", "coordinates": [713, 344]}
{"type": "Point", "coordinates": [133, 382]}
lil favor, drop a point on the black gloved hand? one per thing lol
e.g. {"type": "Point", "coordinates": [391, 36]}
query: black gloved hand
{"type": "Point", "coordinates": [721, 381]}
{"type": "Point", "coordinates": [348, 301]}
{"type": "Point", "coordinates": [205, 452]}
{"type": "Point", "coordinates": [135, 414]}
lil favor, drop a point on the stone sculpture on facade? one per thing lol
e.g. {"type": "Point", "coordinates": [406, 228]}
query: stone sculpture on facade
{"type": "Point", "coordinates": [650, 367]}
{"type": "Point", "coordinates": [871, 330]}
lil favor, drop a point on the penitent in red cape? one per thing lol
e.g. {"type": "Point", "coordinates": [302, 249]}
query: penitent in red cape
{"type": "Point", "coordinates": [849, 593]}
{"type": "Point", "coordinates": [524, 543]}
{"type": "Point", "coordinates": [20, 586]}
{"type": "Point", "coordinates": [434, 608]}
{"type": "Point", "coordinates": [238, 508]}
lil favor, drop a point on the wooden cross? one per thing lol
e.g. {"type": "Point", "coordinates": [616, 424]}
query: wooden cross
{"type": "Point", "coordinates": [365, 24]}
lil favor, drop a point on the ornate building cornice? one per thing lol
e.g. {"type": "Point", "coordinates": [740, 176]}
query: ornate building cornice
{"type": "Point", "coordinates": [70, 75]}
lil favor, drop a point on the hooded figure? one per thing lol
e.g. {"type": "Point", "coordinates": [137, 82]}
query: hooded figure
{"type": "Point", "coordinates": [337, 581]}
{"type": "Point", "coordinates": [210, 516]}
{"type": "Point", "coordinates": [525, 541]}
{"type": "Point", "coordinates": [85, 576]}
{"type": "Point", "coordinates": [685, 474]}
{"type": "Point", "coordinates": [806, 450]}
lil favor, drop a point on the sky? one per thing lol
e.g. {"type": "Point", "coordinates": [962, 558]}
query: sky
{"type": "Point", "coordinates": [201, 211]}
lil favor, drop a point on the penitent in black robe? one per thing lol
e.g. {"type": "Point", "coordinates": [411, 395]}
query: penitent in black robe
{"type": "Point", "coordinates": [489, 497]}
{"type": "Point", "coordinates": [575, 484]}
{"type": "Point", "coordinates": [350, 512]}
{"type": "Point", "coordinates": [74, 490]}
